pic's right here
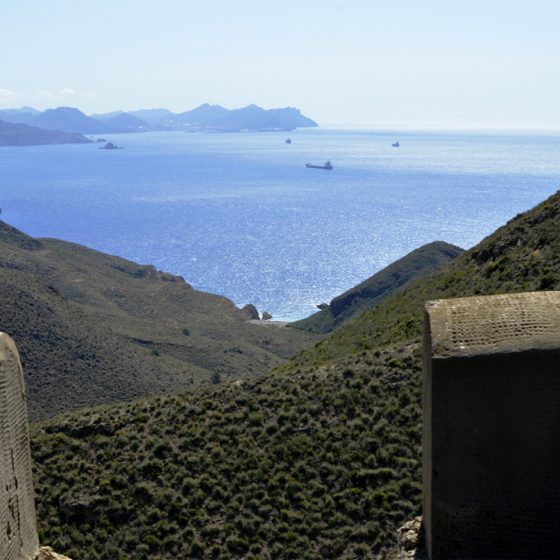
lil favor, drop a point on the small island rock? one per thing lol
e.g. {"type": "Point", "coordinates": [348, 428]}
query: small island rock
{"type": "Point", "coordinates": [109, 146]}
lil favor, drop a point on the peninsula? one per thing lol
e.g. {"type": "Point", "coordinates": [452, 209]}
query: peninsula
{"type": "Point", "coordinates": [12, 134]}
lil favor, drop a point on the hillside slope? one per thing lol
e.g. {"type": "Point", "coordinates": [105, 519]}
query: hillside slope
{"type": "Point", "coordinates": [12, 134]}
{"type": "Point", "coordinates": [123, 122]}
{"type": "Point", "coordinates": [218, 118]}
{"type": "Point", "coordinates": [68, 119]}
{"type": "Point", "coordinates": [521, 256]}
{"type": "Point", "coordinates": [202, 114]}
{"type": "Point", "coordinates": [319, 459]}
{"type": "Point", "coordinates": [380, 286]}
{"type": "Point", "coordinates": [318, 465]}
{"type": "Point", "coordinates": [93, 328]}
{"type": "Point", "coordinates": [253, 117]}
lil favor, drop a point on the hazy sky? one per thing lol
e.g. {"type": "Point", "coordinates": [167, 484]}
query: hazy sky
{"type": "Point", "coordinates": [407, 62]}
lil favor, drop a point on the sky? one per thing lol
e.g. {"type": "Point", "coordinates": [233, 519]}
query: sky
{"type": "Point", "coordinates": [405, 63]}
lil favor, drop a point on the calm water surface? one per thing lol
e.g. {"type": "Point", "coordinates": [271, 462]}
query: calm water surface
{"type": "Point", "coordinates": [240, 215]}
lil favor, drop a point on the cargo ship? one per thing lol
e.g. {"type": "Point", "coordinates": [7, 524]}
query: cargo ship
{"type": "Point", "coordinates": [326, 165]}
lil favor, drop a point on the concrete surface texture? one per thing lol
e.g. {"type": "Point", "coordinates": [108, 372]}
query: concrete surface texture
{"type": "Point", "coordinates": [492, 427]}
{"type": "Point", "coordinates": [18, 533]}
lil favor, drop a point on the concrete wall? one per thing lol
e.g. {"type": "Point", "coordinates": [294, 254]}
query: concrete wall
{"type": "Point", "coordinates": [492, 427]}
{"type": "Point", "coordinates": [18, 534]}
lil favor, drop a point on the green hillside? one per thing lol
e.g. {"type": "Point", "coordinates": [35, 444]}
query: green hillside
{"type": "Point", "coordinates": [380, 286]}
{"type": "Point", "coordinates": [94, 329]}
{"type": "Point", "coordinates": [521, 256]}
{"type": "Point", "coordinates": [321, 464]}
{"type": "Point", "coordinates": [318, 459]}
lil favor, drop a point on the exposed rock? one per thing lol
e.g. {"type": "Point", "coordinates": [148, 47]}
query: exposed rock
{"type": "Point", "coordinates": [110, 146]}
{"type": "Point", "coordinates": [250, 312]}
{"type": "Point", "coordinates": [322, 306]}
{"type": "Point", "coordinates": [47, 553]}
{"type": "Point", "coordinates": [233, 350]}
{"type": "Point", "coordinates": [77, 508]}
{"type": "Point", "coordinates": [410, 541]}
{"type": "Point", "coordinates": [266, 316]}
{"type": "Point", "coordinates": [95, 427]}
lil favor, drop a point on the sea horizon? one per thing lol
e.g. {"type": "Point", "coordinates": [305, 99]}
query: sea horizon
{"type": "Point", "coordinates": [240, 215]}
{"type": "Point", "coordinates": [443, 127]}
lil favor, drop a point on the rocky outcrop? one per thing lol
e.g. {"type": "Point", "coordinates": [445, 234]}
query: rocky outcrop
{"type": "Point", "coordinates": [47, 553]}
{"type": "Point", "coordinates": [266, 316]}
{"type": "Point", "coordinates": [250, 312]}
{"type": "Point", "coordinates": [410, 542]}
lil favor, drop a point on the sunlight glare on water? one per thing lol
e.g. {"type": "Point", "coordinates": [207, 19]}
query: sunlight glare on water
{"type": "Point", "coordinates": [240, 215]}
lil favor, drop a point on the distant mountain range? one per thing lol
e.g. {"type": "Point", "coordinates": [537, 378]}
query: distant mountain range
{"type": "Point", "coordinates": [69, 119]}
{"type": "Point", "coordinates": [218, 118]}
{"type": "Point", "coordinates": [207, 117]}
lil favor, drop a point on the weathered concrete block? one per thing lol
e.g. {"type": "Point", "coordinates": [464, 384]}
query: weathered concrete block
{"type": "Point", "coordinates": [18, 533]}
{"type": "Point", "coordinates": [492, 427]}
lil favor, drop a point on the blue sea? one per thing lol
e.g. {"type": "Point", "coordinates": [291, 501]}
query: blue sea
{"type": "Point", "coordinates": [240, 215]}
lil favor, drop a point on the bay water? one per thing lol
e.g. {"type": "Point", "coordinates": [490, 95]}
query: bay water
{"type": "Point", "coordinates": [240, 215]}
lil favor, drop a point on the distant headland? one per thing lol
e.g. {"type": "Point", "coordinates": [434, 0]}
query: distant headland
{"type": "Point", "coordinates": [16, 134]}
{"type": "Point", "coordinates": [205, 118]}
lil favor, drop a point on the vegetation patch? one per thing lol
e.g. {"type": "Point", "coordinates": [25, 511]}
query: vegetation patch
{"type": "Point", "coordinates": [318, 459]}
{"type": "Point", "coordinates": [317, 464]}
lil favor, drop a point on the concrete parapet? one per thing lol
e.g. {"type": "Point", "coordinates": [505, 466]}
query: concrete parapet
{"type": "Point", "coordinates": [18, 533]}
{"type": "Point", "coordinates": [492, 427]}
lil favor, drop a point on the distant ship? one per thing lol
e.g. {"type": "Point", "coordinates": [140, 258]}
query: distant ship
{"type": "Point", "coordinates": [395, 145]}
{"type": "Point", "coordinates": [326, 165]}
{"type": "Point", "coordinates": [288, 140]}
